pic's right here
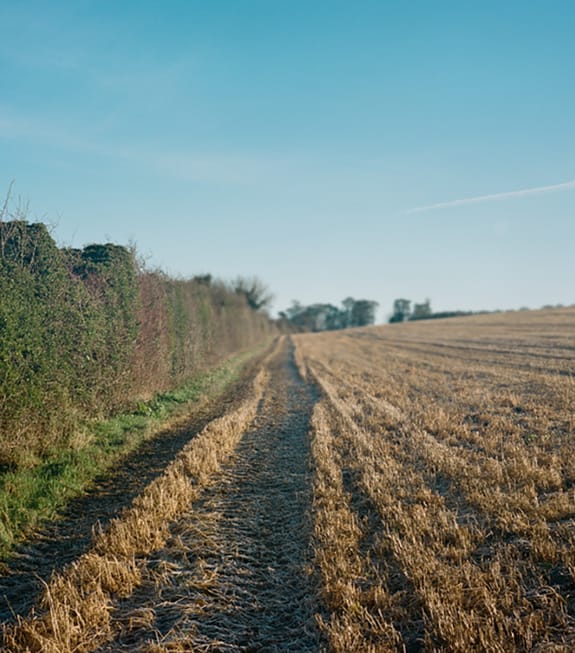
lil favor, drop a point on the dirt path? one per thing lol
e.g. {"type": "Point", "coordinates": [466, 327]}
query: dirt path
{"type": "Point", "coordinates": [62, 541]}
{"type": "Point", "coordinates": [233, 576]}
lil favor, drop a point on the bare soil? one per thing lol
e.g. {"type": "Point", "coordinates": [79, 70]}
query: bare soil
{"type": "Point", "coordinates": [235, 573]}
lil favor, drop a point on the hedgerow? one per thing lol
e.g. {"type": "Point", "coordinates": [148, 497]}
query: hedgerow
{"type": "Point", "coordinates": [87, 332]}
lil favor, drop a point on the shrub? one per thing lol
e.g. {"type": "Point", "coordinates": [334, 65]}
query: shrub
{"type": "Point", "coordinates": [84, 333]}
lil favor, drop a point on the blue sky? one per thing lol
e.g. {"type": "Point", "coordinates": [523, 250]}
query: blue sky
{"type": "Point", "coordinates": [375, 149]}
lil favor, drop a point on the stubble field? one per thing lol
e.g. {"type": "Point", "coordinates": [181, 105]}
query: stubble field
{"type": "Point", "coordinates": [397, 488]}
{"type": "Point", "coordinates": [444, 489]}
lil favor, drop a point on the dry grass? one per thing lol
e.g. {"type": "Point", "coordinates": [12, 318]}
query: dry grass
{"type": "Point", "coordinates": [75, 613]}
{"type": "Point", "coordinates": [444, 494]}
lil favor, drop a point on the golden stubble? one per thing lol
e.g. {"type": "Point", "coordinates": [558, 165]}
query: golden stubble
{"type": "Point", "coordinates": [75, 612]}
{"type": "Point", "coordinates": [444, 507]}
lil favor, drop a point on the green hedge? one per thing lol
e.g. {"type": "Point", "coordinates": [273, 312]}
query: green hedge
{"type": "Point", "coordinates": [84, 333]}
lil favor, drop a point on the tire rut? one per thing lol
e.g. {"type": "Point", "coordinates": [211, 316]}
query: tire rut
{"type": "Point", "coordinates": [234, 575]}
{"type": "Point", "coordinates": [61, 541]}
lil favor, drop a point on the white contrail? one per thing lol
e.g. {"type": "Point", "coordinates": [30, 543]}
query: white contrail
{"type": "Point", "coordinates": [495, 196]}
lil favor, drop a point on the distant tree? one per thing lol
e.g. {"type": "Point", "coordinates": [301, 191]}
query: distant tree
{"type": "Point", "coordinates": [334, 318]}
{"type": "Point", "coordinates": [255, 291]}
{"type": "Point", "coordinates": [363, 313]}
{"type": "Point", "coordinates": [421, 311]}
{"type": "Point", "coordinates": [323, 316]}
{"type": "Point", "coordinates": [295, 309]}
{"type": "Point", "coordinates": [327, 317]}
{"type": "Point", "coordinates": [317, 317]}
{"type": "Point", "coordinates": [401, 310]}
{"type": "Point", "coordinates": [346, 318]}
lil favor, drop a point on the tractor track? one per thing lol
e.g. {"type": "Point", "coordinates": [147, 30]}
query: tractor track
{"type": "Point", "coordinates": [235, 572]}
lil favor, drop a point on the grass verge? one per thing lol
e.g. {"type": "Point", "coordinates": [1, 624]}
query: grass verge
{"type": "Point", "coordinates": [29, 496]}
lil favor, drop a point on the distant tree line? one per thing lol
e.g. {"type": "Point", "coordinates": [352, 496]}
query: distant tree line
{"type": "Point", "coordinates": [327, 317]}
{"type": "Point", "coordinates": [403, 312]}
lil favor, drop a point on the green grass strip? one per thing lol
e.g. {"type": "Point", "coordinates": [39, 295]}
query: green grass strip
{"type": "Point", "coordinates": [29, 496]}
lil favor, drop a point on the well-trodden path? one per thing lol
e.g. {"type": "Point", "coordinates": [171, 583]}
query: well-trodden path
{"type": "Point", "coordinates": [234, 575]}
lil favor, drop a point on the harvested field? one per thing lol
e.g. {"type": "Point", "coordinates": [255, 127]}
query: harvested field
{"type": "Point", "coordinates": [444, 498]}
{"type": "Point", "coordinates": [411, 489]}
{"type": "Point", "coordinates": [213, 555]}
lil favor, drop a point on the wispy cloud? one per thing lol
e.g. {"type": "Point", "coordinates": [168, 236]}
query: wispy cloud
{"type": "Point", "coordinates": [538, 190]}
{"type": "Point", "coordinates": [236, 168]}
